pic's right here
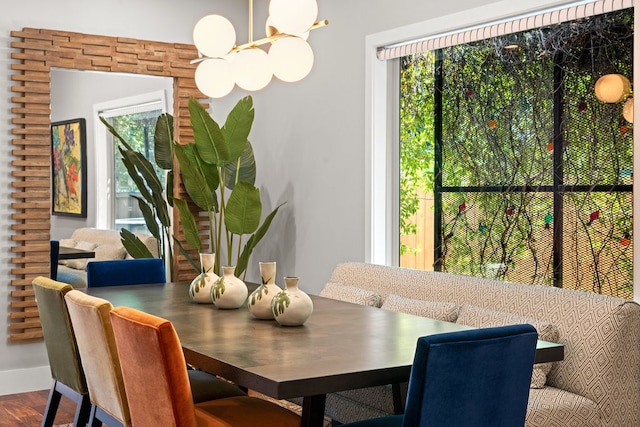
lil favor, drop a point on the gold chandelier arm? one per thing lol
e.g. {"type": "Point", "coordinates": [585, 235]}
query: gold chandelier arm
{"type": "Point", "coordinates": [274, 37]}
{"type": "Point", "coordinates": [250, 21]}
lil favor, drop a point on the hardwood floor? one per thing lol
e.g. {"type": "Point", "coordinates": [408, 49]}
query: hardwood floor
{"type": "Point", "coordinates": [26, 409]}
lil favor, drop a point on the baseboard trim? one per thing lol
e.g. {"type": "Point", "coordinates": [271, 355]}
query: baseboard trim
{"type": "Point", "coordinates": [24, 380]}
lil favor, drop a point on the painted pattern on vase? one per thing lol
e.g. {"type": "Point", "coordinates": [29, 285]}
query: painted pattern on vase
{"type": "Point", "coordinates": [260, 300]}
{"type": "Point", "coordinates": [200, 287]}
{"type": "Point", "coordinates": [291, 306]}
{"type": "Point", "coordinates": [228, 291]}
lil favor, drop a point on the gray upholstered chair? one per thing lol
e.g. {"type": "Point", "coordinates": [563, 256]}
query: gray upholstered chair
{"type": "Point", "coordinates": [64, 360]}
{"type": "Point", "coordinates": [478, 378]}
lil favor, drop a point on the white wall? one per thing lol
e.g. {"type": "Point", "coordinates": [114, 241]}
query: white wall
{"type": "Point", "coordinates": [308, 137]}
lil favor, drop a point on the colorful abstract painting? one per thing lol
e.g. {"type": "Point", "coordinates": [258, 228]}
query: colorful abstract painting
{"type": "Point", "coordinates": [69, 174]}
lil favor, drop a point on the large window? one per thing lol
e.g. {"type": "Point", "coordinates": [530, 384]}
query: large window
{"type": "Point", "coordinates": [135, 120]}
{"type": "Point", "coordinates": [528, 175]}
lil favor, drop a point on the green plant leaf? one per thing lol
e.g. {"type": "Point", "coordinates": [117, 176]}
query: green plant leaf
{"type": "Point", "coordinates": [129, 162]}
{"type": "Point", "coordinates": [194, 181]}
{"type": "Point", "coordinates": [149, 217]}
{"type": "Point", "coordinates": [134, 245]}
{"type": "Point", "coordinates": [208, 137]}
{"type": "Point", "coordinates": [244, 168]}
{"type": "Point", "coordinates": [170, 187]}
{"type": "Point", "coordinates": [243, 259]}
{"type": "Point", "coordinates": [189, 226]}
{"type": "Point", "coordinates": [163, 142]}
{"type": "Point", "coordinates": [162, 212]}
{"type": "Point", "coordinates": [244, 209]}
{"type": "Point", "coordinates": [184, 252]}
{"type": "Point", "coordinates": [146, 169]}
{"type": "Point", "coordinates": [210, 172]}
{"type": "Point", "coordinates": [237, 127]}
{"type": "Point", "coordinates": [115, 133]}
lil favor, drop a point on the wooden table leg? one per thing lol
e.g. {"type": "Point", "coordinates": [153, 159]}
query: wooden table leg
{"type": "Point", "coordinates": [313, 410]}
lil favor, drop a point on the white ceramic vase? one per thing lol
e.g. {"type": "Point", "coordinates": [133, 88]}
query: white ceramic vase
{"type": "Point", "coordinates": [260, 300]}
{"type": "Point", "coordinates": [200, 287]}
{"type": "Point", "coordinates": [229, 291]}
{"type": "Point", "coordinates": [291, 306]}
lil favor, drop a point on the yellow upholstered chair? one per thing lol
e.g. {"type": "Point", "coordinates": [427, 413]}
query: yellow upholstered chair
{"type": "Point", "coordinates": [157, 385]}
{"type": "Point", "coordinates": [92, 325]}
{"type": "Point", "coordinates": [96, 344]}
{"type": "Point", "coordinates": [64, 360]}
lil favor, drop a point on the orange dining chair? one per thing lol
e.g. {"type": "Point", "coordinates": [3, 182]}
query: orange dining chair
{"type": "Point", "coordinates": [62, 351]}
{"type": "Point", "coordinates": [96, 344]}
{"type": "Point", "coordinates": [157, 384]}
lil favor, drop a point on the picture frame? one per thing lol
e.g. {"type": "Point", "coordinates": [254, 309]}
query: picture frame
{"type": "Point", "coordinates": [69, 168]}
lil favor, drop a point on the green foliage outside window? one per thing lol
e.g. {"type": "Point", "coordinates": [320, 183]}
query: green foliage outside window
{"type": "Point", "coordinates": [532, 162]}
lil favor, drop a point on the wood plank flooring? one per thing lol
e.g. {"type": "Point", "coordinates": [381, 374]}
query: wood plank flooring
{"type": "Point", "coordinates": [27, 409]}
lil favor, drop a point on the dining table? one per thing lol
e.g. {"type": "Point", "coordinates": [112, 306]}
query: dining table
{"type": "Point", "coordinates": [342, 346]}
{"type": "Point", "coordinates": [74, 253]}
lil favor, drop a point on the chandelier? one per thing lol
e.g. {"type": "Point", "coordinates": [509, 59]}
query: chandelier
{"type": "Point", "coordinates": [284, 53]}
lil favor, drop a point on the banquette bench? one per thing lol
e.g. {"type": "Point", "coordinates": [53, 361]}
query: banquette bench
{"type": "Point", "coordinates": [597, 383]}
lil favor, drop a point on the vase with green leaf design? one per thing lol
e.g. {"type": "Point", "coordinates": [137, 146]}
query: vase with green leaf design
{"type": "Point", "coordinates": [228, 291]}
{"type": "Point", "coordinates": [259, 303]}
{"type": "Point", "coordinates": [291, 306]}
{"type": "Point", "coordinates": [200, 287]}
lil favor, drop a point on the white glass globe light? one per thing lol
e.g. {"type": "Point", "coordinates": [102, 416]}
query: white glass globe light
{"type": "Point", "coordinates": [293, 16]}
{"type": "Point", "coordinates": [291, 59]}
{"type": "Point", "coordinates": [612, 88]}
{"type": "Point", "coordinates": [214, 36]}
{"type": "Point", "coordinates": [214, 77]}
{"type": "Point", "coordinates": [627, 110]}
{"type": "Point", "coordinates": [251, 69]}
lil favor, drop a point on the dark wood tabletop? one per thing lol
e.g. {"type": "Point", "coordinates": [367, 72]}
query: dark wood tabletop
{"type": "Point", "coordinates": [342, 346]}
{"type": "Point", "coordinates": [74, 253]}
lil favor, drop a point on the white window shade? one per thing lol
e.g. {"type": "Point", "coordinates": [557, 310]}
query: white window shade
{"type": "Point", "coordinates": [557, 16]}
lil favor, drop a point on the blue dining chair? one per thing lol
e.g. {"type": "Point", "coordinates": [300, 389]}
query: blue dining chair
{"type": "Point", "coordinates": [139, 271]}
{"type": "Point", "coordinates": [478, 377]}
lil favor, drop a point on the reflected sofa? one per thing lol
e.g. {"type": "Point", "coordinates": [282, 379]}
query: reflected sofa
{"type": "Point", "coordinates": [597, 383]}
{"type": "Point", "coordinates": [107, 246]}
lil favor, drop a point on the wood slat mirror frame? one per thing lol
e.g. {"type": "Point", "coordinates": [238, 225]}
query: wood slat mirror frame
{"type": "Point", "coordinates": [36, 51]}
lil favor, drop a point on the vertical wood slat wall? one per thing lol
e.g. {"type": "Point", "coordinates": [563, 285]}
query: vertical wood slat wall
{"type": "Point", "coordinates": [36, 51]}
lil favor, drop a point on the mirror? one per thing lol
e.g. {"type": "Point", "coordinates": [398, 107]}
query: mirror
{"type": "Point", "coordinates": [35, 53]}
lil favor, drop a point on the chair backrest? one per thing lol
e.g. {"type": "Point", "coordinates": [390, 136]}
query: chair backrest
{"type": "Point", "coordinates": [54, 253]}
{"type": "Point", "coordinates": [59, 337]}
{"type": "Point", "coordinates": [94, 334]}
{"type": "Point", "coordinates": [153, 369]}
{"type": "Point", "coordinates": [139, 271]}
{"type": "Point", "coordinates": [477, 378]}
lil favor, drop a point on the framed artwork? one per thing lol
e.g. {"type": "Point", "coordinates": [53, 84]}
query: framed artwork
{"type": "Point", "coordinates": [69, 168]}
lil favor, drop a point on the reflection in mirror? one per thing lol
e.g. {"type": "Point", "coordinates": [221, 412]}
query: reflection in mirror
{"type": "Point", "coordinates": [85, 94]}
{"type": "Point", "coordinates": [35, 52]}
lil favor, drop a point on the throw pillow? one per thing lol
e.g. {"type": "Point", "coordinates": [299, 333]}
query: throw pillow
{"type": "Point", "coordinates": [480, 317]}
{"type": "Point", "coordinates": [81, 263]}
{"type": "Point", "coordinates": [351, 294]}
{"type": "Point", "coordinates": [107, 252]}
{"type": "Point", "coordinates": [446, 311]}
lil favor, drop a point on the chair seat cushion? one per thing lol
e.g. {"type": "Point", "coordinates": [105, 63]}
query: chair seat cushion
{"type": "Point", "coordinates": [244, 411]}
{"type": "Point", "coordinates": [552, 407]}
{"type": "Point", "coordinates": [205, 386]}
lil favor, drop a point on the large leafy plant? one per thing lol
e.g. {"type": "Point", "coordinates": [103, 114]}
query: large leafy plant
{"type": "Point", "coordinates": [219, 171]}
{"type": "Point", "coordinates": [155, 191]}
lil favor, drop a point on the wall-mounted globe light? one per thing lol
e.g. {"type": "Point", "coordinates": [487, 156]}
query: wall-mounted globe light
{"type": "Point", "coordinates": [223, 64]}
